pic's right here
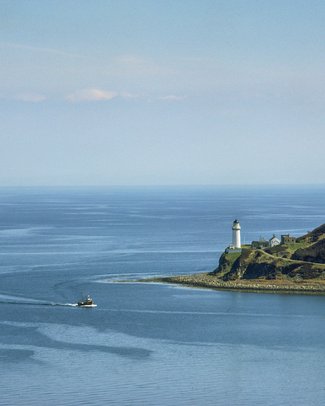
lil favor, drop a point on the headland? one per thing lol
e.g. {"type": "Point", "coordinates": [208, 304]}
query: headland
{"type": "Point", "coordinates": [295, 265]}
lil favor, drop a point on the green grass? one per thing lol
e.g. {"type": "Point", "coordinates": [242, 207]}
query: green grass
{"type": "Point", "coordinates": [287, 250]}
{"type": "Point", "coordinates": [231, 257]}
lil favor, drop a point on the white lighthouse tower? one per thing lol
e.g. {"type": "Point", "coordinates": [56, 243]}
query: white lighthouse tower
{"type": "Point", "coordinates": [236, 235]}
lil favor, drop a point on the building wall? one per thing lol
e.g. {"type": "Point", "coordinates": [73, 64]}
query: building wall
{"type": "Point", "coordinates": [274, 242]}
{"type": "Point", "coordinates": [287, 239]}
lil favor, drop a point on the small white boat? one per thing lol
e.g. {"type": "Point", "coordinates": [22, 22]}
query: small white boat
{"type": "Point", "coordinates": [88, 302]}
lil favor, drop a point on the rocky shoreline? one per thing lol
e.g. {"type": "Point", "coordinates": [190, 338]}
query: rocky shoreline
{"type": "Point", "coordinates": [207, 280]}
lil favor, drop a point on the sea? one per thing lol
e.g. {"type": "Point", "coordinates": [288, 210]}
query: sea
{"type": "Point", "coordinates": [150, 343]}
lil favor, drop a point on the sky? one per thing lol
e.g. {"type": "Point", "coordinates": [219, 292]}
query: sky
{"type": "Point", "coordinates": [162, 92]}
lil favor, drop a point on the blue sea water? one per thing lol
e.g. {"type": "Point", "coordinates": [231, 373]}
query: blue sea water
{"type": "Point", "coordinates": [151, 344]}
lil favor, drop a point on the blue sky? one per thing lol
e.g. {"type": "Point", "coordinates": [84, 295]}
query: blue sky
{"type": "Point", "coordinates": [142, 92]}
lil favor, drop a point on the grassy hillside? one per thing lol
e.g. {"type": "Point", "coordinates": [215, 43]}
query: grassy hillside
{"type": "Point", "coordinates": [302, 260]}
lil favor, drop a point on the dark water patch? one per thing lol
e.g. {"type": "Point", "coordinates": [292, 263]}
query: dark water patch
{"type": "Point", "coordinates": [29, 335]}
{"type": "Point", "coordinates": [15, 355]}
{"type": "Point", "coordinates": [128, 352]}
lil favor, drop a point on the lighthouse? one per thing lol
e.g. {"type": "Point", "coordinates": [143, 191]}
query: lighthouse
{"type": "Point", "coordinates": [236, 235]}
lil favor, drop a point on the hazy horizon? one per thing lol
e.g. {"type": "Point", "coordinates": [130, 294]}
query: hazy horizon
{"type": "Point", "coordinates": [166, 186]}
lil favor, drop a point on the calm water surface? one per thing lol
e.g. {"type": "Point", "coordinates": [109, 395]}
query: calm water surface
{"type": "Point", "coordinates": [151, 344]}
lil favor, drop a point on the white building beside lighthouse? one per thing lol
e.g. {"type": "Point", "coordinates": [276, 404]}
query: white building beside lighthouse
{"type": "Point", "coordinates": [236, 244]}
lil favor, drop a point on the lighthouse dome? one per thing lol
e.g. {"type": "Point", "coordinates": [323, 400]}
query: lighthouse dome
{"type": "Point", "coordinates": [236, 225]}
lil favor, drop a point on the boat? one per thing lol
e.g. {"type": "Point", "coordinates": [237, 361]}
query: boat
{"type": "Point", "coordinates": [88, 302]}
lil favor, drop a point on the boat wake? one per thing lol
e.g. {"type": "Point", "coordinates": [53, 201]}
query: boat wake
{"type": "Point", "coordinates": [64, 304]}
{"type": "Point", "coordinates": [38, 303]}
{"type": "Point", "coordinates": [23, 301]}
